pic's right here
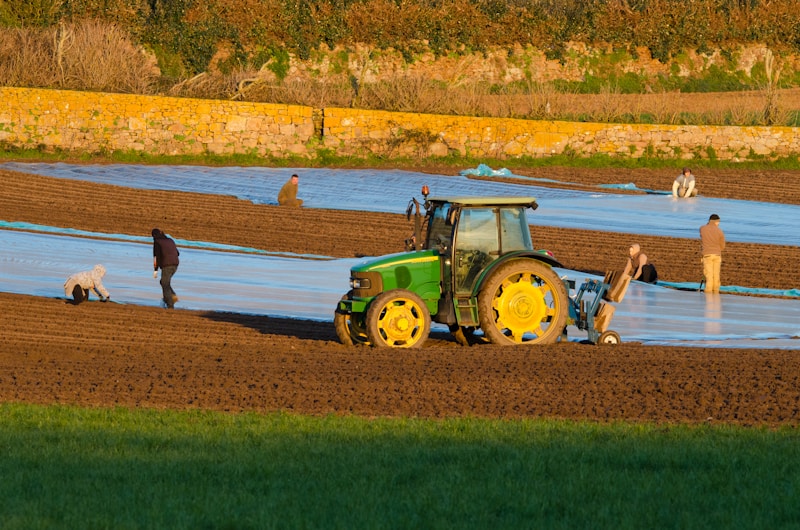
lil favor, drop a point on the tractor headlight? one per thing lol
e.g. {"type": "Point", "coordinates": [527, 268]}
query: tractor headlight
{"type": "Point", "coordinates": [366, 284]}
{"type": "Point", "coordinates": [359, 283]}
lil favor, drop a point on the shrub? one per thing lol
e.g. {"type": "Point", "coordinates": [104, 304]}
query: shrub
{"type": "Point", "coordinates": [89, 55]}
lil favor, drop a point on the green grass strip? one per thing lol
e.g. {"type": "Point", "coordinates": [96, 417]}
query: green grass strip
{"type": "Point", "coordinates": [65, 467]}
{"type": "Point", "coordinates": [326, 159]}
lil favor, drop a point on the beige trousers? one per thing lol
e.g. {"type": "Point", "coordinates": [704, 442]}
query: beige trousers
{"type": "Point", "coordinates": [711, 266]}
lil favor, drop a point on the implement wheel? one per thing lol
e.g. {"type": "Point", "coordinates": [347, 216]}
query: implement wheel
{"type": "Point", "coordinates": [609, 337]}
{"type": "Point", "coordinates": [523, 302]}
{"type": "Point", "coordinates": [350, 327]}
{"type": "Point", "coordinates": [398, 319]}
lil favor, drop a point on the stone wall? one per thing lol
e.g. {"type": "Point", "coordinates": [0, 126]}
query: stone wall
{"type": "Point", "coordinates": [97, 122]}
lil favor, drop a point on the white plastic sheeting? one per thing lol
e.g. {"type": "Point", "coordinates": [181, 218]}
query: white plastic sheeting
{"type": "Point", "coordinates": [390, 191]}
{"type": "Point", "coordinates": [310, 288]}
{"type": "Point", "coordinates": [36, 260]}
{"type": "Point", "coordinates": [206, 279]}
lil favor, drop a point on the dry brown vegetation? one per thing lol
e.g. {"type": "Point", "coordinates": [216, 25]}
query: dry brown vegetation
{"type": "Point", "coordinates": [539, 101]}
{"type": "Point", "coordinates": [89, 55]}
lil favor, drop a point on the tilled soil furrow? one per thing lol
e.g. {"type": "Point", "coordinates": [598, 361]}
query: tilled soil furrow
{"type": "Point", "coordinates": [314, 375]}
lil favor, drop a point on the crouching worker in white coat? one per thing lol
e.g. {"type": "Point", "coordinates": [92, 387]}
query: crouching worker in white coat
{"type": "Point", "coordinates": [79, 284]}
{"type": "Point", "coordinates": [684, 184]}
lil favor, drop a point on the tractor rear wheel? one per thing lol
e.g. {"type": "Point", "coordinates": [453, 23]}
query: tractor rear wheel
{"type": "Point", "coordinates": [398, 319]}
{"type": "Point", "coordinates": [523, 302]}
{"type": "Point", "coordinates": [350, 327]}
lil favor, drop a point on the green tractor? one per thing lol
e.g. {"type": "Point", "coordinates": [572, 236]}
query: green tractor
{"type": "Point", "coordinates": [470, 265]}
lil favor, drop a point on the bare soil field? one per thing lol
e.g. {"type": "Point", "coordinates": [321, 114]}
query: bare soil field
{"type": "Point", "coordinates": [133, 356]}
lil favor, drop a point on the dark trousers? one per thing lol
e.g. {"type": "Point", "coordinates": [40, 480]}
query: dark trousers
{"type": "Point", "coordinates": [649, 274]}
{"type": "Point", "coordinates": [166, 284]}
{"type": "Point", "coordinates": [79, 294]}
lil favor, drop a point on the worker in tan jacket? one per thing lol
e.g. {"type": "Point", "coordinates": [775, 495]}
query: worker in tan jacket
{"type": "Point", "coordinates": [712, 243]}
{"type": "Point", "coordinates": [639, 267]}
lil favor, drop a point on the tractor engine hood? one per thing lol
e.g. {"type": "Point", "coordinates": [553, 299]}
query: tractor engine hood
{"type": "Point", "coordinates": [418, 271]}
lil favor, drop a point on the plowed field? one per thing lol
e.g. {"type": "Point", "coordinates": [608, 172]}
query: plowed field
{"type": "Point", "coordinates": [108, 354]}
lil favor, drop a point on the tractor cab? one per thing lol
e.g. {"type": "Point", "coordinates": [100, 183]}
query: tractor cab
{"type": "Point", "coordinates": [473, 235]}
{"type": "Point", "coordinates": [475, 232]}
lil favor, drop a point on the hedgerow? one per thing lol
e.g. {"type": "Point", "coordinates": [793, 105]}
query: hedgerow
{"type": "Point", "coordinates": [193, 30]}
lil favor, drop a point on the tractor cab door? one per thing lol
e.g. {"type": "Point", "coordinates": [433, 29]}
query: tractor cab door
{"type": "Point", "coordinates": [515, 234]}
{"type": "Point", "coordinates": [477, 244]}
{"type": "Point", "coordinates": [440, 228]}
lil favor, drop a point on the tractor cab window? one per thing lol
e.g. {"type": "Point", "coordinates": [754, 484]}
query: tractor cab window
{"type": "Point", "coordinates": [477, 230]}
{"type": "Point", "coordinates": [439, 230]}
{"type": "Point", "coordinates": [514, 230]}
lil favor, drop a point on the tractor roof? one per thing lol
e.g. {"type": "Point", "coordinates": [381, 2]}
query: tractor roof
{"type": "Point", "coordinates": [487, 201]}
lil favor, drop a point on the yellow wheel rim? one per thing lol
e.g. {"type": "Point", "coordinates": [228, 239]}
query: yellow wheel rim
{"type": "Point", "coordinates": [401, 322]}
{"type": "Point", "coordinates": [522, 306]}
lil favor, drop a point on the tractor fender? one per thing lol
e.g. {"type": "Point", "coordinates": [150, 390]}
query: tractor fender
{"type": "Point", "coordinates": [517, 254]}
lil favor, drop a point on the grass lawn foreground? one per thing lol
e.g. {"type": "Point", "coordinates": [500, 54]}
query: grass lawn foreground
{"type": "Point", "coordinates": [68, 467]}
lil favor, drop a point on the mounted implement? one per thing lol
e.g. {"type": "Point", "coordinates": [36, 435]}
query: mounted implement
{"type": "Point", "coordinates": [590, 309]}
{"type": "Point", "coordinates": [471, 265]}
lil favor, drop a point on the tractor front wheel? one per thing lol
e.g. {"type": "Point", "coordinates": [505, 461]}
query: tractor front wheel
{"type": "Point", "coordinates": [398, 319]}
{"type": "Point", "coordinates": [523, 302]}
